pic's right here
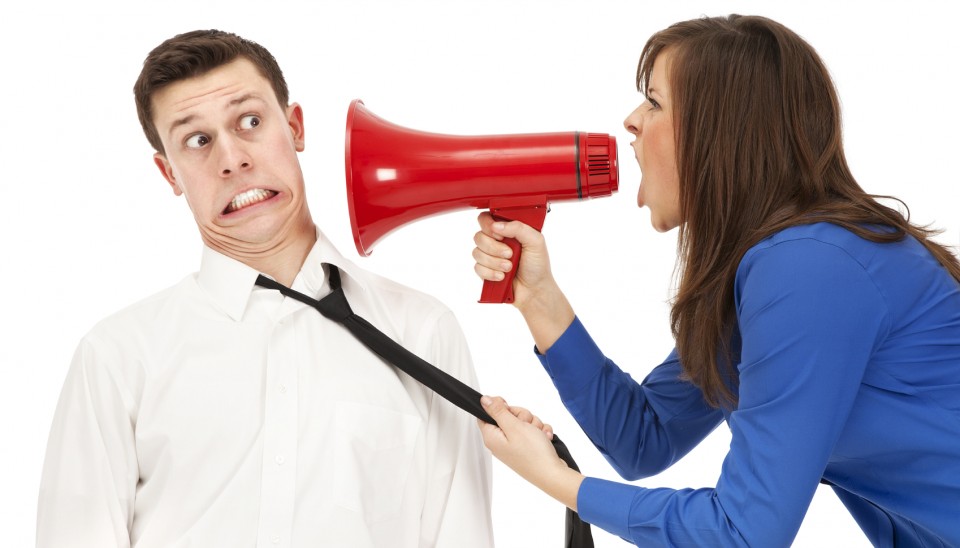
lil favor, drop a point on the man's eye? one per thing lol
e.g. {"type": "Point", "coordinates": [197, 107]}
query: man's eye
{"type": "Point", "coordinates": [197, 141]}
{"type": "Point", "coordinates": [249, 121]}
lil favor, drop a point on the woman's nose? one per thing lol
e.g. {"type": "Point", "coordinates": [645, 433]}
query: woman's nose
{"type": "Point", "coordinates": [634, 122]}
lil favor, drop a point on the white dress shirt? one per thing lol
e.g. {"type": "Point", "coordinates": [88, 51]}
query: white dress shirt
{"type": "Point", "coordinates": [218, 413]}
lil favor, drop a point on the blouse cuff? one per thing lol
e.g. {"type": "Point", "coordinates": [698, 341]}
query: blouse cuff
{"type": "Point", "coordinates": [573, 360]}
{"type": "Point", "coordinates": [606, 504]}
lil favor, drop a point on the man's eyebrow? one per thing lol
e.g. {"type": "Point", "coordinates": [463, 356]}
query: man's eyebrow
{"type": "Point", "coordinates": [181, 122]}
{"type": "Point", "coordinates": [191, 117]}
{"type": "Point", "coordinates": [243, 98]}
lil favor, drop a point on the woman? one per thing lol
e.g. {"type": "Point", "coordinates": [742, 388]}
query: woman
{"type": "Point", "coordinates": [821, 325]}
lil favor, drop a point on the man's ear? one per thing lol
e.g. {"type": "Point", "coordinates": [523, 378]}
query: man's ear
{"type": "Point", "coordinates": [295, 120]}
{"type": "Point", "coordinates": [167, 171]}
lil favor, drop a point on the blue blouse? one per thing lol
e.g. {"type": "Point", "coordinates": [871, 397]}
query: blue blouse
{"type": "Point", "coordinates": [849, 372]}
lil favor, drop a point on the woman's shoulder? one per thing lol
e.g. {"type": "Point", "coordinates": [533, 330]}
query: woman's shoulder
{"type": "Point", "coordinates": [830, 253]}
{"type": "Point", "coordinates": [827, 233]}
{"type": "Point", "coordinates": [802, 242]}
{"type": "Point", "coordinates": [809, 248]}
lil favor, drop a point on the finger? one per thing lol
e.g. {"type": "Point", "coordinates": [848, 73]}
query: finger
{"type": "Point", "coordinates": [522, 413]}
{"type": "Point", "coordinates": [492, 435]}
{"type": "Point", "coordinates": [526, 416]}
{"type": "Point", "coordinates": [523, 233]}
{"type": "Point", "coordinates": [491, 245]}
{"type": "Point", "coordinates": [499, 411]}
{"type": "Point", "coordinates": [492, 262]}
{"type": "Point", "coordinates": [484, 219]}
{"type": "Point", "coordinates": [487, 274]}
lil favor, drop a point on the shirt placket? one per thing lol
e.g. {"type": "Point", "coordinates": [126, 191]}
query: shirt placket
{"type": "Point", "coordinates": [279, 458]}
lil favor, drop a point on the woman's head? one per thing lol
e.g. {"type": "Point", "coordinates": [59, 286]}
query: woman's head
{"type": "Point", "coordinates": [757, 148]}
{"type": "Point", "coordinates": [654, 145]}
{"type": "Point", "coordinates": [756, 119]}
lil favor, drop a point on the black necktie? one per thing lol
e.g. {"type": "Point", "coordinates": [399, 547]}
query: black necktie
{"type": "Point", "coordinates": [335, 307]}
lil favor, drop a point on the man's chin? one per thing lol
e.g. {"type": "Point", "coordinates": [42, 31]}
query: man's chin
{"type": "Point", "coordinates": [259, 238]}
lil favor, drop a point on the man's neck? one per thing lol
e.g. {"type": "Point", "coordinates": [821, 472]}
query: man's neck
{"type": "Point", "coordinates": [281, 262]}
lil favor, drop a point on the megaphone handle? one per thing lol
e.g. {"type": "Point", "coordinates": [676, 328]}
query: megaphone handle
{"type": "Point", "coordinates": [502, 291]}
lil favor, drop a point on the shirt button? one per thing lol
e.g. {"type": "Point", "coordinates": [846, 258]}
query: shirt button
{"type": "Point", "coordinates": [282, 388]}
{"type": "Point", "coordinates": [280, 460]}
{"type": "Point", "coordinates": [276, 540]}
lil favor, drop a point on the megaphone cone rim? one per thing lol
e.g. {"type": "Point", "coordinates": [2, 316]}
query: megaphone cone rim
{"type": "Point", "coordinates": [354, 222]}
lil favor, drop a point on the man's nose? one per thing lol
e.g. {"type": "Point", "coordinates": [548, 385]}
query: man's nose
{"type": "Point", "coordinates": [233, 156]}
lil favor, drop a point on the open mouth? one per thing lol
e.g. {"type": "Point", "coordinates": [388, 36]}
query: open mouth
{"type": "Point", "coordinates": [248, 198]}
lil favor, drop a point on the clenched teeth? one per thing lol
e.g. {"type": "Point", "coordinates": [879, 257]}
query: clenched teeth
{"type": "Point", "coordinates": [248, 198]}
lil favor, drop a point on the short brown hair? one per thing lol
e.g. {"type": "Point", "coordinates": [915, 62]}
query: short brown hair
{"type": "Point", "coordinates": [192, 54]}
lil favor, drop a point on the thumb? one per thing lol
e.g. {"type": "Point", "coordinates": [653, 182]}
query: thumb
{"type": "Point", "coordinates": [498, 410]}
{"type": "Point", "coordinates": [523, 233]}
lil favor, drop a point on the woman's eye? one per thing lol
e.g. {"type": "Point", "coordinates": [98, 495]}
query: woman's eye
{"type": "Point", "coordinates": [197, 141]}
{"type": "Point", "coordinates": [653, 103]}
{"type": "Point", "coordinates": [249, 121]}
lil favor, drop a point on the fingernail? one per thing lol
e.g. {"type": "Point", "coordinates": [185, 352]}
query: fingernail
{"type": "Point", "coordinates": [499, 226]}
{"type": "Point", "coordinates": [485, 400]}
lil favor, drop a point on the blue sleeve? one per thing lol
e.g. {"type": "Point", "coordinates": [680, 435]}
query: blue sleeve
{"type": "Point", "coordinates": [641, 429]}
{"type": "Point", "coordinates": [809, 317]}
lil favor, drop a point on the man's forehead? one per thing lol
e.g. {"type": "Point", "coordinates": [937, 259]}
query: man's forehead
{"type": "Point", "coordinates": [218, 88]}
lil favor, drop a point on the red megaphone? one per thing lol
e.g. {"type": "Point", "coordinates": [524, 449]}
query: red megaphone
{"type": "Point", "coordinates": [397, 175]}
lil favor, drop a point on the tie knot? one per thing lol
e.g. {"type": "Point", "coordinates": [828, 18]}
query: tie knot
{"type": "Point", "coordinates": [335, 306]}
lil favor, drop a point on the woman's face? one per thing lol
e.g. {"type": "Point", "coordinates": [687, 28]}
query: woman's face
{"type": "Point", "coordinates": [654, 146]}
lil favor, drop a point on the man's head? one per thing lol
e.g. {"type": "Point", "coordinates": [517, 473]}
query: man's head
{"type": "Point", "coordinates": [215, 108]}
{"type": "Point", "coordinates": [192, 54]}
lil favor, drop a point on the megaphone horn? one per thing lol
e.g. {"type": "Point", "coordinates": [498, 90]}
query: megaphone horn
{"type": "Point", "coordinates": [397, 175]}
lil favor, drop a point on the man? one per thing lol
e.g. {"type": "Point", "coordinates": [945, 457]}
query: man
{"type": "Point", "coordinates": [219, 413]}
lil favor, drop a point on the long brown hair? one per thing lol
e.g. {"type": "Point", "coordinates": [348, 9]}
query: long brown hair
{"type": "Point", "coordinates": [759, 149]}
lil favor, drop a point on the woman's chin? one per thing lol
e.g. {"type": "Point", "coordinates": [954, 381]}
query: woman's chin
{"type": "Point", "coordinates": [662, 225]}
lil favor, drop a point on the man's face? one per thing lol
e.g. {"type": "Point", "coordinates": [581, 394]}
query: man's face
{"type": "Point", "coordinates": [231, 150]}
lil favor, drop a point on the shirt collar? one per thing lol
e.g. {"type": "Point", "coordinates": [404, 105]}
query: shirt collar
{"type": "Point", "coordinates": [229, 282]}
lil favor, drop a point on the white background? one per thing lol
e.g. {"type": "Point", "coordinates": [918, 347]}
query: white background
{"type": "Point", "coordinates": [89, 226]}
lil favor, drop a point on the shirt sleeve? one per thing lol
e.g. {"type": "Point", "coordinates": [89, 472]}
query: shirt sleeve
{"type": "Point", "coordinates": [810, 317]}
{"type": "Point", "coordinates": [459, 490]}
{"type": "Point", "coordinates": [640, 428]}
{"type": "Point", "coordinates": [90, 472]}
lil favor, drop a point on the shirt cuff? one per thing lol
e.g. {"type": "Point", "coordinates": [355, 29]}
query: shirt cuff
{"type": "Point", "coordinates": [606, 504]}
{"type": "Point", "coordinates": [573, 360]}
